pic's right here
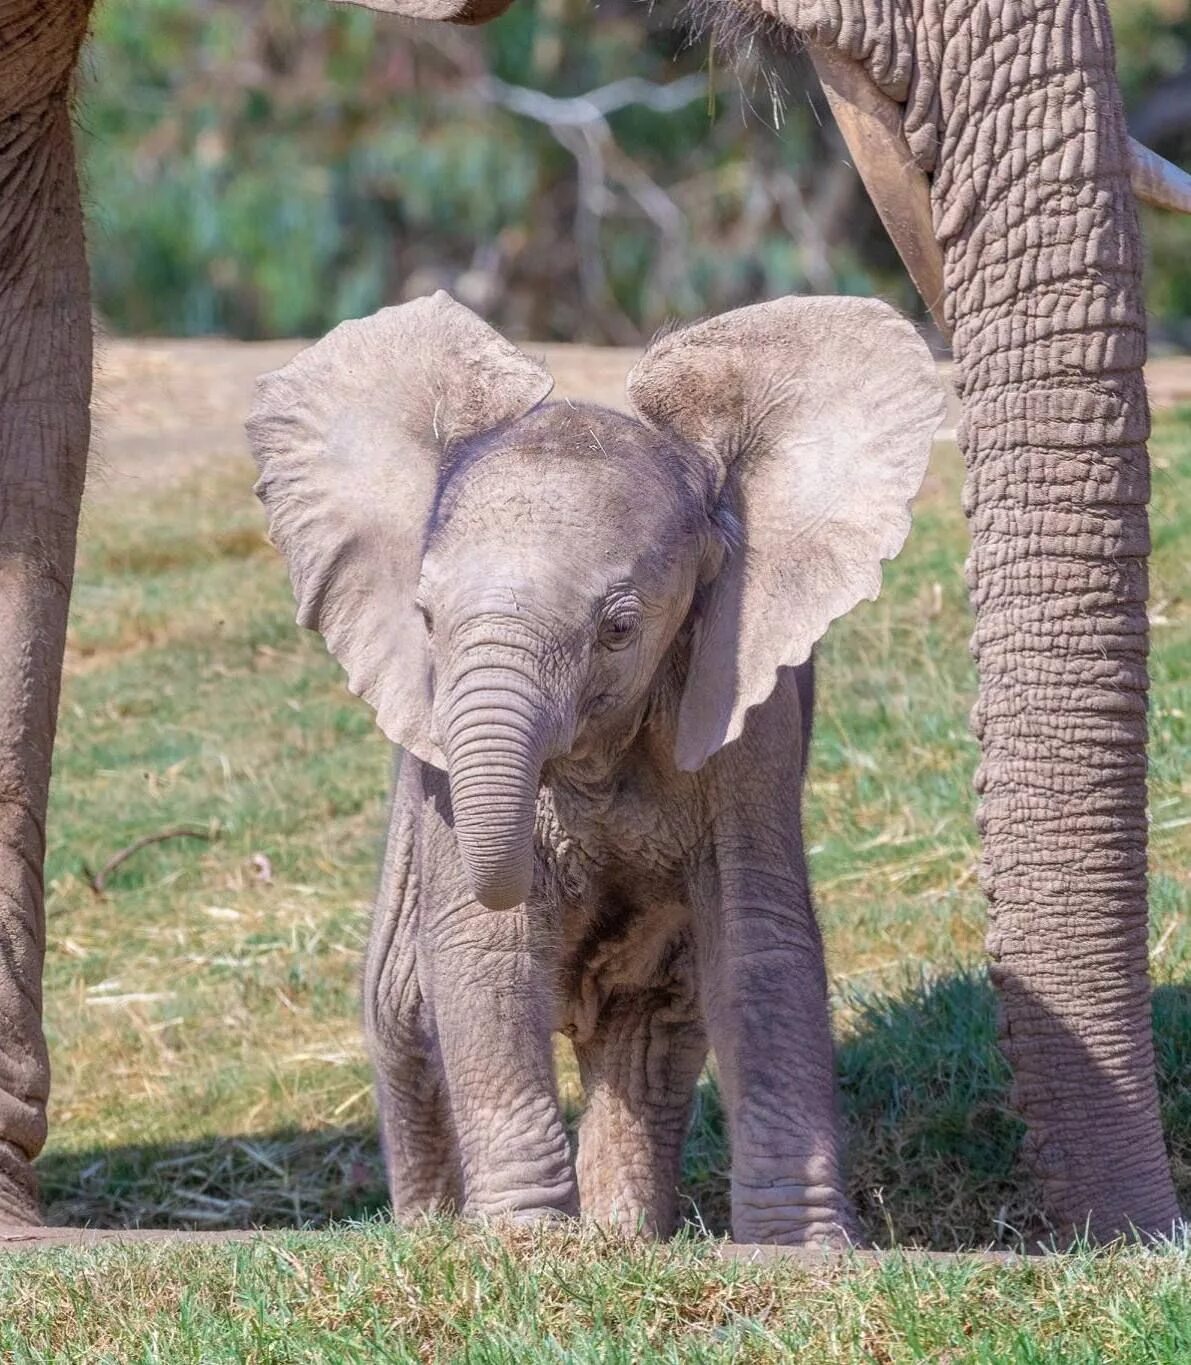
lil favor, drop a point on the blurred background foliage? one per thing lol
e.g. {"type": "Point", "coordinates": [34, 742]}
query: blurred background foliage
{"type": "Point", "coordinates": [268, 167]}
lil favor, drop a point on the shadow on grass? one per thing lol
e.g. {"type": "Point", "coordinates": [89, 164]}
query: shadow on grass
{"type": "Point", "coordinates": [284, 1179]}
{"type": "Point", "coordinates": [933, 1146]}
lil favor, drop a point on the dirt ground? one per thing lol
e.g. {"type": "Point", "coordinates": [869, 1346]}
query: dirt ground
{"type": "Point", "coordinates": [163, 408]}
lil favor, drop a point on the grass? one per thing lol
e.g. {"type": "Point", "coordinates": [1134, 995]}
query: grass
{"type": "Point", "coordinates": [487, 1298]}
{"type": "Point", "coordinates": [203, 1016]}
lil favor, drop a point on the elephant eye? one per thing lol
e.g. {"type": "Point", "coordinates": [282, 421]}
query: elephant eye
{"type": "Point", "coordinates": [427, 617]}
{"type": "Point", "coordinates": [619, 625]}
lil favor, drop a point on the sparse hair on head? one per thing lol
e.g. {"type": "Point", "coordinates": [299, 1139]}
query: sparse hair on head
{"type": "Point", "coordinates": [671, 327]}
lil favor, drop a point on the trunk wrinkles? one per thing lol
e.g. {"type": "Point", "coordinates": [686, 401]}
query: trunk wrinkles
{"type": "Point", "coordinates": [497, 734]}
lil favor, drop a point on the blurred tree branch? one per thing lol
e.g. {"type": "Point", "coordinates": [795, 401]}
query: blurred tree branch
{"type": "Point", "coordinates": [579, 111]}
{"type": "Point", "coordinates": [580, 125]}
{"type": "Point", "coordinates": [265, 167]}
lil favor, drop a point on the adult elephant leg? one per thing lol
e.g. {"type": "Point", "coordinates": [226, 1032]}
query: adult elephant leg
{"type": "Point", "coordinates": [1042, 264]}
{"type": "Point", "coordinates": [1016, 111]}
{"type": "Point", "coordinates": [1018, 114]}
{"type": "Point", "coordinates": [45, 385]}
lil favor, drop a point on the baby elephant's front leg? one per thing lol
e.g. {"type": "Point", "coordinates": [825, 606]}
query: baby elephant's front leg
{"type": "Point", "coordinates": [489, 986]}
{"type": "Point", "coordinates": [491, 1004]}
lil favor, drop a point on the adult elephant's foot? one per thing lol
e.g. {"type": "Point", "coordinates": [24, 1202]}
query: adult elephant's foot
{"type": "Point", "coordinates": [794, 1215]}
{"type": "Point", "coordinates": [18, 1190]}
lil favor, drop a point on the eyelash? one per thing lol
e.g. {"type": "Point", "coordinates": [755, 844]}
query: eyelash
{"type": "Point", "coordinates": [620, 624]}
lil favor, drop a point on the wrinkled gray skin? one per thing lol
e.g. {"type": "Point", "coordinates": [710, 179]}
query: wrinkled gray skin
{"type": "Point", "coordinates": [583, 627]}
{"type": "Point", "coordinates": [1013, 112]}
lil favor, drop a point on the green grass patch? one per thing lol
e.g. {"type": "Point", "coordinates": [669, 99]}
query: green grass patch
{"type": "Point", "coordinates": [441, 1292]}
{"type": "Point", "coordinates": [204, 1017]}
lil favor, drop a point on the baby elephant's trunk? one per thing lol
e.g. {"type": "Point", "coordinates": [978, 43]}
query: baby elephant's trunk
{"type": "Point", "coordinates": [496, 736]}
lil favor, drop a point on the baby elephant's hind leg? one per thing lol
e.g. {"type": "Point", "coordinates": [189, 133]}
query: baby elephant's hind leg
{"type": "Point", "coordinates": [639, 1070]}
{"type": "Point", "coordinates": [421, 1153]}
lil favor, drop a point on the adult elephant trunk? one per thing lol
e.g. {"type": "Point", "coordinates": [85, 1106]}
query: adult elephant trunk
{"type": "Point", "coordinates": [496, 735]}
{"type": "Point", "coordinates": [1016, 114]}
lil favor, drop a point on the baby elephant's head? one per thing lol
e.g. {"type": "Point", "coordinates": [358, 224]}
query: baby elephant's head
{"type": "Point", "coordinates": [502, 577]}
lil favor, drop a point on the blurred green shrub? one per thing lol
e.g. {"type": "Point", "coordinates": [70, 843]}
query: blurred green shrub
{"type": "Point", "coordinates": [268, 167]}
{"type": "Point", "coordinates": [1154, 63]}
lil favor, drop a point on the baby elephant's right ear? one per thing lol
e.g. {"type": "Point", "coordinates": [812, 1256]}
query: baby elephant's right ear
{"type": "Point", "coordinates": [348, 438]}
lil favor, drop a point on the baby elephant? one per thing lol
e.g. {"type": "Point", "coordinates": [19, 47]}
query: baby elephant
{"type": "Point", "coordinates": [591, 635]}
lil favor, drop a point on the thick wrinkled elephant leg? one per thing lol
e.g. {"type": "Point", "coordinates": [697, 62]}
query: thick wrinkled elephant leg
{"type": "Point", "coordinates": [639, 1069]}
{"type": "Point", "coordinates": [764, 990]}
{"type": "Point", "coordinates": [45, 387]}
{"type": "Point", "coordinates": [1015, 112]}
{"type": "Point", "coordinates": [421, 1155]}
{"type": "Point", "coordinates": [1043, 267]}
{"type": "Point", "coordinates": [489, 980]}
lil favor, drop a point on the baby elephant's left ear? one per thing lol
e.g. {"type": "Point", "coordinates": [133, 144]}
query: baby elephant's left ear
{"type": "Point", "coordinates": [819, 414]}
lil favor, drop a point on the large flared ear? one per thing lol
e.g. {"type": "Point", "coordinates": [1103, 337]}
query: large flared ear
{"type": "Point", "coordinates": [818, 414]}
{"type": "Point", "coordinates": [348, 437]}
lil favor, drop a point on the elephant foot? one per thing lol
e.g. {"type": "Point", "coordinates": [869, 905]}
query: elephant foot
{"type": "Point", "coordinates": [816, 1237]}
{"type": "Point", "coordinates": [796, 1217]}
{"type": "Point", "coordinates": [19, 1206]}
{"type": "Point", "coordinates": [528, 1217]}
{"type": "Point", "coordinates": [632, 1224]}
